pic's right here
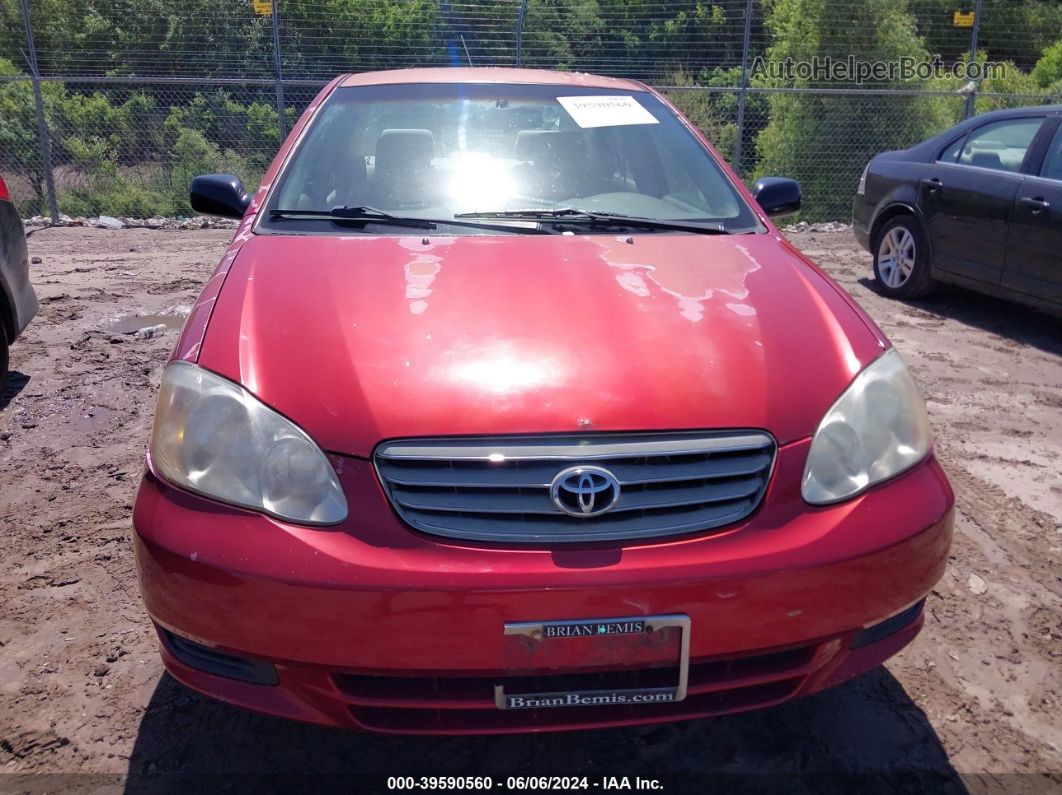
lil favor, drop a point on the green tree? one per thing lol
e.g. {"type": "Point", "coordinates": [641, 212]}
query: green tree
{"type": "Point", "coordinates": [1047, 74]}
{"type": "Point", "coordinates": [708, 114]}
{"type": "Point", "coordinates": [824, 141]}
{"type": "Point", "coordinates": [1010, 30]}
{"type": "Point", "coordinates": [140, 120]}
{"type": "Point", "coordinates": [1007, 87]}
{"type": "Point", "coordinates": [561, 34]}
{"type": "Point", "coordinates": [326, 37]}
{"type": "Point", "coordinates": [19, 139]}
{"type": "Point", "coordinates": [64, 32]}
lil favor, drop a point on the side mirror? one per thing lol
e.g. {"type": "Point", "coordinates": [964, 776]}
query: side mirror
{"type": "Point", "coordinates": [777, 195]}
{"type": "Point", "coordinates": [219, 194]}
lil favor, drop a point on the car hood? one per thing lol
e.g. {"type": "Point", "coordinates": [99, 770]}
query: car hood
{"type": "Point", "coordinates": [364, 338]}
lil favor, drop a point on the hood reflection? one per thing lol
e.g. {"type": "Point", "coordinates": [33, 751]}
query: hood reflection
{"type": "Point", "coordinates": [420, 272]}
{"type": "Point", "coordinates": [503, 368]}
{"type": "Point", "coordinates": [691, 287]}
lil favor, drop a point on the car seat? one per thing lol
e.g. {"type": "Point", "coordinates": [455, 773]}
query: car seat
{"type": "Point", "coordinates": [986, 160]}
{"type": "Point", "coordinates": [403, 168]}
{"type": "Point", "coordinates": [558, 160]}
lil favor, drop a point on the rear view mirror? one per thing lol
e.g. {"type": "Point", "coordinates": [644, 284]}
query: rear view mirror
{"type": "Point", "coordinates": [777, 195]}
{"type": "Point", "coordinates": [219, 194]}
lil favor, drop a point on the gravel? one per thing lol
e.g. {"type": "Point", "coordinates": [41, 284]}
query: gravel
{"type": "Point", "coordinates": [82, 690]}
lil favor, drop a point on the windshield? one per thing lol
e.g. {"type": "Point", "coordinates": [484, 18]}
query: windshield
{"type": "Point", "coordinates": [440, 150]}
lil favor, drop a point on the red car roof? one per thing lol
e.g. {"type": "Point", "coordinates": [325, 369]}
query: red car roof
{"type": "Point", "coordinates": [489, 74]}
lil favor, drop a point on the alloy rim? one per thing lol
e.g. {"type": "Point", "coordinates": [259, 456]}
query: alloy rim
{"type": "Point", "coordinates": [896, 257]}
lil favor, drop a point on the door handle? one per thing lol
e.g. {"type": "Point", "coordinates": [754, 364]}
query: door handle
{"type": "Point", "coordinates": [1037, 204]}
{"type": "Point", "coordinates": [932, 185]}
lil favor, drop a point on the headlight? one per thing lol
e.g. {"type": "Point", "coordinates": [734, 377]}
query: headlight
{"type": "Point", "coordinates": [862, 189]}
{"type": "Point", "coordinates": [213, 437]}
{"type": "Point", "coordinates": [877, 429]}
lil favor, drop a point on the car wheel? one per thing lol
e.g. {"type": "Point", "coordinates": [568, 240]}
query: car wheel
{"type": "Point", "coordinates": [901, 259]}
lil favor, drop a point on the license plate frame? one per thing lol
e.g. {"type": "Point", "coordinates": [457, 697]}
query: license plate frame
{"type": "Point", "coordinates": [553, 631]}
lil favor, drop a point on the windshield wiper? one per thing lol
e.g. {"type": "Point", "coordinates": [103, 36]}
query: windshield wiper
{"type": "Point", "coordinates": [369, 215]}
{"type": "Point", "coordinates": [573, 215]}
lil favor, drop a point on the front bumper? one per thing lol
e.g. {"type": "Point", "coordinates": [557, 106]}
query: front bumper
{"type": "Point", "coordinates": [371, 625]}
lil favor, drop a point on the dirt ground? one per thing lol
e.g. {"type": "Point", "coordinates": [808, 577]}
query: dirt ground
{"type": "Point", "coordinates": [974, 702]}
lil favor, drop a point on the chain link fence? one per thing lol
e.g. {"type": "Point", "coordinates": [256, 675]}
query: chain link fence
{"type": "Point", "coordinates": [111, 107]}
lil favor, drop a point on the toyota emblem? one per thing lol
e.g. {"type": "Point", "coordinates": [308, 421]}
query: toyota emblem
{"type": "Point", "coordinates": [584, 491]}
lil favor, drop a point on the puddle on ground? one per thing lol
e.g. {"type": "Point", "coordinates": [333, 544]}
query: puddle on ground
{"type": "Point", "coordinates": [92, 418]}
{"type": "Point", "coordinates": [130, 324]}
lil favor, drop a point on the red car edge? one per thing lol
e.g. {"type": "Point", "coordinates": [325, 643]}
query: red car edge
{"type": "Point", "coordinates": [432, 365]}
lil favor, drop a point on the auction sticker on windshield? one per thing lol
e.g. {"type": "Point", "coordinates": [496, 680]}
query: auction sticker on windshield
{"type": "Point", "coordinates": [606, 111]}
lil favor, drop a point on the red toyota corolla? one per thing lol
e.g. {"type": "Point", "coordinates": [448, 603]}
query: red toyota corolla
{"type": "Point", "coordinates": [508, 409]}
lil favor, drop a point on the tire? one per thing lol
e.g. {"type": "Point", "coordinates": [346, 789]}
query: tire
{"type": "Point", "coordinates": [901, 259]}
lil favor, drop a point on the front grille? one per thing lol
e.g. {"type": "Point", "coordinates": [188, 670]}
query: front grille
{"type": "Point", "coordinates": [499, 489]}
{"type": "Point", "coordinates": [477, 690]}
{"type": "Point", "coordinates": [456, 703]}
{"type": "Point", "coordinates": [461, 721]}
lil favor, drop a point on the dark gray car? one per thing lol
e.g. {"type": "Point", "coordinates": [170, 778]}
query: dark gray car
{"type": "Point", "coordinates": [18, 302]}
{"type": "Point", "coordinates": [978, 205]}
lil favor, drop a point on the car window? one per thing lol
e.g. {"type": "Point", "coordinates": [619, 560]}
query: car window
{"type": "Point", "coordinates": [1000, 145]}
{"type": "Point", "coordinates": [1052, 167]}
{"type": "Point", "coordinates": [951, 151]}
{"type": "Point", "coordinates": [435, 150]}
